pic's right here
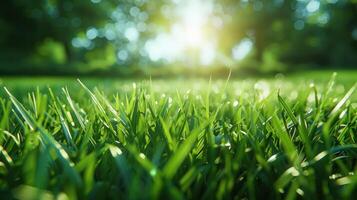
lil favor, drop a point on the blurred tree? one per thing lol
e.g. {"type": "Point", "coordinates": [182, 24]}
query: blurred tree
{"type": "Point", "coordinates": [104, 32]}
{"type": "Point", "coordinates": [27, 23]}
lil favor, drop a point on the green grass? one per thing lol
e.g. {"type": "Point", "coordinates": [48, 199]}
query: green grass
{"type": "Point", "coordinates": [281, 138]}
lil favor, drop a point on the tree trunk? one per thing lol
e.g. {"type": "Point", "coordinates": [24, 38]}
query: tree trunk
{"type": "Point", "coordinates": [68, 52]}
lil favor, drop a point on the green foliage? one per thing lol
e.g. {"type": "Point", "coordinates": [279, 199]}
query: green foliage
{"type": "Point", "coordinates": [226, 139]}
{"type": "Point", "coordinates": [50, 51]}
{"type": "Point", "coordinates": [38, 34]}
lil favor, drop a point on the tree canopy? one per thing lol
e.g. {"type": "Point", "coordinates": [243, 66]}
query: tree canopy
{"type": "Point", "coordinates": [265, 34]}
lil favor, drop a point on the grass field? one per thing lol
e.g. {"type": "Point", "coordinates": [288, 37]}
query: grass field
{"type": "Point", "coordinates": [276, 138]}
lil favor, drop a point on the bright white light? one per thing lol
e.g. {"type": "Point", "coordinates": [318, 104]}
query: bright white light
{"type": "Point", "coordinates": [188, 32]}
{"type": "Point", "coordinates": [132, 34]}
{"type": "Point", "coordinates": [195, 37]}
{"type": "Point", "coordinates": [242, 49]}
{"type": "Point", "coordinates": [313, 6]}
{"type": "Point", "coordinates": [208, 54]}
{"type": "Point", "coordinates": [164, 46]}
{"type": "Point", "coordinates": [217, 22]}
{"type": "Point", "coordinates": [193, 18]}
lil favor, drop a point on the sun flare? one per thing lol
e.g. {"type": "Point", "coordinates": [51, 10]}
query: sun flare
{"type": "Point", "coordinates": [190, 31]}
{"type": "Point", "coordinates": [194, 17]}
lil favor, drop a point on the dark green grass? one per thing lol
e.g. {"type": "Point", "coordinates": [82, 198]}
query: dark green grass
{"type": "Point", "coordinates": [282, 138]}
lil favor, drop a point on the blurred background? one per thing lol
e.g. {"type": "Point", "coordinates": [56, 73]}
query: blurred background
{"type": "Point", "coordinates": [141, 37]}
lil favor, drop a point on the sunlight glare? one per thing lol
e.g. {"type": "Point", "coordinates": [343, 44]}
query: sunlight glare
{"type": "Point", "coordinates": [194, 16]}
{"type": "Point", "coordinates": [188, 32]}
{"type": "Point", "coordinates": [242, 49]}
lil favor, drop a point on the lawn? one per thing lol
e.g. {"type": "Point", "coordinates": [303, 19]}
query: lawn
{"type": "Point", "coordinates": [290, 137]}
